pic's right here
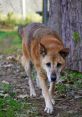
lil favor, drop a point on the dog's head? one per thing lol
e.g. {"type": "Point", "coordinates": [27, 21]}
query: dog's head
{"type": "Point", "coordinates": [53, 62]}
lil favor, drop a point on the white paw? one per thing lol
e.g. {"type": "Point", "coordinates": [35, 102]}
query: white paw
{"type": "Point", "coordinates": [53, 101]}
{"type": "Point", "coordinates": [49, 109]}
{"type": "Point", "coordinates": [33, 94]}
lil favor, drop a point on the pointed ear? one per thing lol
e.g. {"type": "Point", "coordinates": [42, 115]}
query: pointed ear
{"type": "Point", "coordinates": [43, 50]}
{"type": "Point", "coordinates": [64, 52]}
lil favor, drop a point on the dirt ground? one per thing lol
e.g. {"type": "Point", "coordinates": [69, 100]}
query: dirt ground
{"type": "Point", "coordinates": [66, 106]}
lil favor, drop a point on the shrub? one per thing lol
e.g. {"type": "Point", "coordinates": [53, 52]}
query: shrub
{"type": "Point", "coordinates": [12, 19]}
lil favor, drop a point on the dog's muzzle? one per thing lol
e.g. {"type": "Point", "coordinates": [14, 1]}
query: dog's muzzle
{"type": "Point", "coordinates": [53, 77]}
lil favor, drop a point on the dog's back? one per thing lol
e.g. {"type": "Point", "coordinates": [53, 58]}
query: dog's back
{"type": "Point", "coordinates": [36, 31]}
{"type": "Point", "coordinates": [29, 30]}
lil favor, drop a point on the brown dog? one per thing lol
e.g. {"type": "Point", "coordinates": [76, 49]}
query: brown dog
{"type": "Point", "coordinates": [44, 48]}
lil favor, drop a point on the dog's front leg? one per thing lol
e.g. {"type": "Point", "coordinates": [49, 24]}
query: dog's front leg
{"type": "Point", "coordinates": [26, 64]}
{"type": "Point", "coordinates": [45, 92]}
{"type": "Point", "coordinates": [51, 92]}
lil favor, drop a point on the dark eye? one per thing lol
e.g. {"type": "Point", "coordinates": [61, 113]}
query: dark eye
{"type": "Point", "coordinates": [59, 65]}
{"type": "Point", "coordinates": [48, 64]}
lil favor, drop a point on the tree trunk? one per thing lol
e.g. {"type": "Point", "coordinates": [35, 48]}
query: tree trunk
{"type": "Point", "coordinates": [55, 15]}
{"type": "Point", "coordinates": [70, 28]}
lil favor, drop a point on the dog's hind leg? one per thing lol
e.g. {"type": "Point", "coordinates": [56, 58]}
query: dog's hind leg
{"type": "Point", "coordinates": [38, 82]}
{"type": "Point", "coordinates": [27, 66]}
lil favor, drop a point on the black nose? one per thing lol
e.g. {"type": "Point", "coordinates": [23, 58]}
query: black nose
{"type": "Point", "coordinates": [53, 77]}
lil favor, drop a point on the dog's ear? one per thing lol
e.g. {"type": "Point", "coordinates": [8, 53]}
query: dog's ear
{"type": "Point", "coordinates": [64, 52]}
{"type": "Point", "coordinates": [43, 50]}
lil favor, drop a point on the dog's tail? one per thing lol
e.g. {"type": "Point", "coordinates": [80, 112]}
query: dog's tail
{"type": "Point", "coordinates": [20, 30]}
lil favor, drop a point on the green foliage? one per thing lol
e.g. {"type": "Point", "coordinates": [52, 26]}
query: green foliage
{"type": "Point", "coordinates": [10, 42]}
{"type": "Point", "coordinates": [33, 17]}
{"type": "Point", "coordinates": [71, 76]}
{"type": "Point", "coordinates": [9, 34]}
{"type": "Point", "coordinates": [76, 36]}
{"type": "Point", "coordinates": [61, 88]}
{"type": "Point", "coordinates": [72, 81]}
{"type": "Point", "coordinates": [12, 20]}
{"type": "Point", "coordinates": [2, 17]}
{"type": "Point", "coordinates": [5, 87]}
{"type": "Point", "coordinates": [9, 107]}
{"type": "Point", "coordinates": [78, 84]}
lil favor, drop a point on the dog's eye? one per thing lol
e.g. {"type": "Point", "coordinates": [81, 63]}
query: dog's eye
{"type": "Point", "coordinates": [48, 64]}
{"type": "Point", "coordinates": [59, 65]}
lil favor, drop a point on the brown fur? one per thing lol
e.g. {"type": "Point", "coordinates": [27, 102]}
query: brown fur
{"type": "Point", "coordinates": [34, 34]}
{"type": "Point", "coordinates": [42, 45]}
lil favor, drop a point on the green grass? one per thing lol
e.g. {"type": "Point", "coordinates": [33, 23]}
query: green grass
{"type": "Point", "coordinates": [10, 42]}
{"type": "Point", "coordinates": [72, 81]}
{"type": "Point", "coordinates": [5, 87]}
{"type": "Point", "coordinates": [9, 107]}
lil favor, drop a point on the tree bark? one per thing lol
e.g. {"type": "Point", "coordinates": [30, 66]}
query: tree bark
{"type": "Point", "coordinates": [55, 15]}
{"type": "Point", "coordinates": [69, 25]}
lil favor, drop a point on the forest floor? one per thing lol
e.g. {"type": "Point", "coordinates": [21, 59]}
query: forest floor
{"type": "Point", "coordinates": [15, 100]}
{"type": "Point", "coordinates": [14, 90]}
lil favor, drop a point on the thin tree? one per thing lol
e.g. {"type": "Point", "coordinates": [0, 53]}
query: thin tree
{"type": "Point", "coordinates": [24, 9]}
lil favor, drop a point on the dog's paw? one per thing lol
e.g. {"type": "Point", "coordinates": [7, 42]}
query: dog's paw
{"type": "Point", "coordinates": [33, 94]}
{"type": "Point", "coordinates": [49, 109]}
{"type": "Point", "coordinates": [53, 101]}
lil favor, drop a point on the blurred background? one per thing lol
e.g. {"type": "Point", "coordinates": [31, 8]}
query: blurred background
{"type": "Point", "coordinates": [15, 13]}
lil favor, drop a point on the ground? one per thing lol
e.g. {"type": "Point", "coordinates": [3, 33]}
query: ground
{"type": "Point", "coordinates": [14, 90]}
{"type": "Point", "coordinates": [14, 78]}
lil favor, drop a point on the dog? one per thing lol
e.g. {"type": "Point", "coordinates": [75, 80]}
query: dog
{"type": "Point", "coordinates": [44, 48]}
